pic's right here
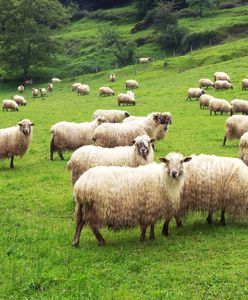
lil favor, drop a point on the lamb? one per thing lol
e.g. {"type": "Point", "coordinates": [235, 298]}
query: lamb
{"type": "Point", "coordinates": [35, 92]}
{"type": "Point", "coordinates": [127, 99]}
{"type": "Point", "coordinates": [55, 80]}
{"type": "Point", "coordinates": [42, 92]}
{"type": "Point", "coordinates": [112, 116]}
{"type": "Point", "coordinates": [20, 100]}
{"type": "Point", "coordinates": [221, 105]}
{"type": "Point", "coordinates": [236, 126]}
{"type": "Point", "coordinates": [124, 197]}
{"type": "Point", "coordinates": [132, 84]}
{"type": "Point", "coordinates": [144, 60]}
{"type": "Point", "coordinates": [10, 104]}
{"type": "Point", "coordinates": [86, 157]}
{"type": "Point", "coordinates": [20, 88]}
{"type": "Point", "coordinates": [243, 147]}
{"type": "Point", "coordinates": [222, 85]}
{"type": "Point", "coordinates": [83, 89]}
{"type": "Point", "coordinates": [105, 91]}
{"type": "Point", "coordinates": [245, 84]}
{"type": "Point", "coordinates": [112, 77]}
{"type": "Point", "coordinates": [50, 87]}
{"type": "Point", "coordinates": [239, 106]}
{"type": "Point", "coordinates": [75, 86]}
{"type": "Point", "coordinates": [205, 83]}
{"type": "Point", "coordinates": [15, 140]}
{"type": "Point", "coordinates": [122, 134]}
{"type": "Point", "coordinates": [195, 93]}
{"type": "Point", "coordinates": [221, 76]}
{"type": "Point", "coordinates": [71, 136]}
{"type": "Point", "coordinates": [204, 100]}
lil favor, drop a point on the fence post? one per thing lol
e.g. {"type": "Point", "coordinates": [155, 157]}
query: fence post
{"type": "Point", "coordinates": [210, 42]}
{"type": "Point", "coordinates": [174, 53]}
{"type": "Point", "coordinates": [191, 48]}
{"type": "Point", "coordinates": [116, 65]}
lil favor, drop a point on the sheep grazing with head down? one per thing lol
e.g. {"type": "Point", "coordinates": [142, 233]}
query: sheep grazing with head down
{"type": "Point", "coordinates": [122, 134]}
{"type": "Point", "coordinates": [9, 104]}
{"type": "Point", "coordinates": [221, 76]}
{"type": "Point", "coordinates": [144, 60]}
{"type": "Point", "coordinates": [239, 106]}
{"type": "Point", "coordinates": [112, 77]}
{"type": "Point", "coordinates": [205, 83]}
{"type": "Point", "coordinates": [222, 85]}
{"type": "Point", "coordinates": [86, 157]}
{"type": "Point", "coordinates": [195, 93]}
{"type": "Point", "coordinates": [131, 84]}
{"type": "Point", "coordinates": [204, 101]}
{"type": "Point", "coordinates": [219, 105]}
{"type": "Point", "coordinates": [243, 147]}
{"type": "Point", "coordinates": [127, 99]}
{"type": "Point", "coordinates": [124, 197]}
{"type": "Point", "coordinates": [71, 136]}
{"type": "Point", "coordinates": [83, 89]}
{"type": "Point", "coordinates": [50, 87]}
{"type": "Point", "coordinates": [236, 126]}
{"type": "Point", "coordinates": [105, 91]}
{"type": "Point", "coordinates": [245, 84]}
{"type": "Point", "coordinates": [55, 80]}
{"type": "Point", "coordinates": [20, 88]}
{"type": "Point", "coordinates": [21, 101]}
{"type": "Point", "coordinates": [14, 141]}
{"type": "Point", "coordinates": [75, 86]}
{"type": "Point", "coordinates": [111, 115]}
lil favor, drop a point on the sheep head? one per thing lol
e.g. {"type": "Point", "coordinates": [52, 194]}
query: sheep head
{"type": "Point", "coordinates": [26, 126]}
{"type": "Point", "coordinates": [143, 145]}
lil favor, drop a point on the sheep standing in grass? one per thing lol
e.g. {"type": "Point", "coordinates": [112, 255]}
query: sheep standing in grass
{"type": "Point", "coordinates": [132, 84]}
{"type": "Point", "coordinates": [205, 83]}
{"type": "Point", "coordinates": [122, 134]}
{"type": "Point", "coordinates": [144, 60]}
{"type": "Point", "coordinates": [83, 89]}
{"type": "Point", "coordinates": [112, 77]}
{"type": "Point", "coordinates": [221, 76]}
{"type": "Point", "coordinates": [243, 147]}
{"type": "Point", "coordinates": [204, 101]}
{"type": "Point", "coordinates": [236, 126]}
{"type": "Point", "coordinates": [20, 88]}
{"type": "Point", "coordinates": [195, 93]}
{"type": "Point", "coordinates": [35, 92]}
{"type": "Point", "coordinates": [21, 101]}
{"type": "Point", "coordinates": [222, 85]}
{"type": "Point", "coordinates": [9, 104]}
{"type": "Point", "coordinates": [239, 106]}
{"type": "Point", "coordinates": [42, 92]}
{"type": "Point", "coordinates": [75, 86]}
{"type": "Point", "coordinates": [126, 99]}
{"type": "Point", "coordinates": [112, 115]}
{"type": "Point", "coordinates": [55, 80]}
{"type": "Point", "coordinates": [71, 136]}
{"type": "Point", "coordinates": [105, 91]}
{"type": "Point", "coordinates": [124, 197]}
{"type": "Point", "coordinates": [244, 84]}
{"type": "Point", "coordinates": [220, 105]}
{"type": "Point", "coordinates": [86, 157]}
{"type": "Point", "coordinates": [50, 87]}
{"type": "Point", "coordinates": [14, 141]}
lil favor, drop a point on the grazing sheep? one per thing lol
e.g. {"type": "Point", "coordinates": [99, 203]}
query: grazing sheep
{"type": "Point", "coordinates": [35, 92]}
{"type": "Point", "coordinates": [112, 77]}
{"type": "Point", "coordinates": [220, 105]}
{"type": "Point", "coordinates": [10, 104]}
{"type": "Point", "coordinates": [55, 80]}
{"type": "Point", "coordinates": [112, 116]}
{"type": "Point", "coordinates": [132, 84]}
{"type": "Point", "coordinates": [243, 147]}
{"type": "Point", "coordinates": [29, 82]}
{"type": "Point", "coordinates": [50, 87]}
{"type": "Point", "coordinates": [20, 100]}
{"type": "Point", "coordinates": [213, 184]}
{"type": "Point", "coordinates": [122, 134]}
{"type": "Point", "coordinates": [127, 99]}
{"type": "Point", "coordinates": [71, 136]}
{"type": "Point", "coordinates": [75, 86]}
{"type": "Point", "coordinates": [83, 89]}
{"type": "Point", "coordinates": [221, 76]}
{"type": "Point", "coordinates": [105, 91]}
{"type": "Point", "coordinates": [86, 157]}
{"type": "Point", "coordinates": [222, 85]}
{"type": "Point", "coordinates": [124, 197]}
{"type": "Point", "coordinates": [15, 140]}
{"type": "Point", "coordinates": [236, 126]}
{"type": "Point", "coordinates": [144, 60]}
{"type": "Point", "coordinates": [205, 83]}
{"type": "Point", "coordinates": [42, 92]}
{"type": "Point", "coordinates": [195, 93]}
{"type": "Point", "coordinates": [239, 106]}
{"type": "Point", "coordinates": [204, 100]}
{"type": "Point", "coordinates": [20, 88]}
{"type": "Point", "coordinates": [245, 84]}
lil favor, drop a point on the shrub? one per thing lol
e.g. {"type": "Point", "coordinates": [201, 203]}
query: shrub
{"type": "Point", "coordinates": [171, 37]}
{"type": "Point", "coordinates": [187, 13]}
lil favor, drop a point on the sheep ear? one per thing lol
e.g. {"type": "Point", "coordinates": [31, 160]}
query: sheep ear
{"type": "Point", "coordinates": [152, 141]}
{"type": "Point", "coordinates": [132, 143]}
{"type": "Point", "coordinates": [164, 160]}
{"type": "Point", "coordinates": [155, 116]}
{"type": "Point", "coordinates": [32, 124]}
{"type": "Point", "coordinates": [20, 124]}
{"type": "Point", "coordinates": [187, 158]}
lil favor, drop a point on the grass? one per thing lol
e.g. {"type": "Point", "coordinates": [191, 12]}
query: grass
{"type": "Point", "coordinates": [36, 208]}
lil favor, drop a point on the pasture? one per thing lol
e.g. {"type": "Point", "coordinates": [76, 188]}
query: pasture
{"type": "Point", "coordinates": [36, 225]}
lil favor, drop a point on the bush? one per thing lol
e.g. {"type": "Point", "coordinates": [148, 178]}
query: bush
{"type": "Point", "coordinates": [171, 38]}
{"type": "Point", "coordinates": [187, 13]}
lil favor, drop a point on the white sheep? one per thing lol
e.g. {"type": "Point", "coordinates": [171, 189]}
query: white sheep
{"type": "Point", "coordinates": [42, 92]}
{"type": "Point", "coordinates": [50, 87]}
{"type": "Point", "coordinates": [75, 86]}
{"type": "Point", "coordinates": [9, 104]}
{"type": "Point", "coordinates": [112, 115]}
{"type": "Point", "coordinates": [144, 60]}
{"type": "Point", "coordinates": [127, 99]}
{"type": "Point", "coordinates": [105, 91]}
{"type": "Point", "coordinates": [221, 105]}
{"type": "Point", "coordinates": [243, 147]}
{"type": "Point", "coordinates": [205, 83]}
{"type": "Point", "coordinates": [20, 100]}
{"type": "Point", "coordinates": [71, 136]}
{"type": "Point", "coordinates": [222, 85]}
{"type": "Point", "coordinates": [35, 92]}
{"type": "Point", "coordinates": [131, 84]}
{"type": "Point", "coordinates": [14, 141]}
{"type": "Point", "coordinates": [83, 89]}
{"type": "Point", "coordinates": [245, 84]}
{"type": "Point", "coordinates": [112, 77]}
{"type": "Point", "coordinates": [204, 100]}
{"type": "Point", "coordinates": [239, 106]}
{"type": "Point", "coordinates": [86, 157]}
{"type": "Point", "coordinates": [195, 93]}
{"type": "Point", "coordinates": [124, 197]}
{"type": "Point", "coordinates": [221, 76]}
{"type": "Point", "coordinates": [20, 88]}
{"type": "Point", "coordinates": [55, 80]}
{"type": "Point", "coordinates": [236, 126]}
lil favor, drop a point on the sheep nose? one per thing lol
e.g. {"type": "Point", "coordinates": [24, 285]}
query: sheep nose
{"type": "Point", "coordinates": [162, 121]}
{"type": "Point", "coordinates": [174, 174]}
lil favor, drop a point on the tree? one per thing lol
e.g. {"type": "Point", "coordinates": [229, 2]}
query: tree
{"type": "Point", "coordinates": [25, 33]}
{"type": "Point", "coordinates": [163, 16]}
{"type": "Point", "coordinates": [200, 5]}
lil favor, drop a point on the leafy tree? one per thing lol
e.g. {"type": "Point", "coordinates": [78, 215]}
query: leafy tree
{"type": "Point", "coordinates": [25, 33]}
{"type": "Point", "coordinates": [200, 5]}
{"type": "Point", "coordinates": [171, 37]}
{"type": "Point", "coordinates": [163, 16]}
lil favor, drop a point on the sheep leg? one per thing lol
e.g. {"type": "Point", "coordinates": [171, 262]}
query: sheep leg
{"type": "Point", "coordinates": [152, 234]}
{"type": "Point", "coordinates": [165, 230]}
{"type": "Point", "coordinates": [210, 218]}
{"type": "Point", "coordinates": [143, 233]}
{"type": "Point", "coordinates": [224, 141]}
{"type": "Point", "coordinates": [222, 218]}
{"type": "Point", "coordinates": [178, 222]}
{"type": "Point", "coordinates": [52, 148]}
{"type": "Point", "coordinates": [80, 224]}
{"type": "Point", "coordinates": [12, 162]}
{"type": "Point", "coordinates": [98, 236]}
{"type": "Point", "coordinates": [61, 155]}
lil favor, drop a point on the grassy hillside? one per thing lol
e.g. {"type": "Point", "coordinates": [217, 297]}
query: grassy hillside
{"type": "Point", "coordinates": [36, 225]}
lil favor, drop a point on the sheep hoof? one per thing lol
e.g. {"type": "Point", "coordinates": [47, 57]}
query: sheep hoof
{"type": "Point", "coordinates": [101, 243]}
{"type": "Point", "coordinates": [152, 237]}
{"type": "Point", "coordinates": [75, 244]}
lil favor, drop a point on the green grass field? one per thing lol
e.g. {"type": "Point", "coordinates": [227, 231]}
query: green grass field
{"type": "Point", "coordinates": [197, 261]}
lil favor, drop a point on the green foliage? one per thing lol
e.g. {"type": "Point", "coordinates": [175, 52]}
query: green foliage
{"type": "Point", "coordinates": [163, 16]}
{"type": "Point", "coordinates": [200, 5]}
{"type": "Point", "coordinates": [171, 37]}
{"type": "Point", "coordinates": [187, 13]}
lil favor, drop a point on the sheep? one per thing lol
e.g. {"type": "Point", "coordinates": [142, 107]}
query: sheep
{"type": "Point", "coordinates": [131, 84]}
{"type": "Point", "coordinates": [195, 93]}
{"type": "Point", "coordinates": [35, 92]}
{"type": "Point", "coordinates": [86, 157]}
{"type": "Point", "coordinates": [221, 76]}
{"type": "Point", "coordinates": [127, 99]}
{"type": "Point", "coordinates": [29, 82]}
{"type": "Point", "coordinates": [42, 92]}
{"type": "Point", "coordinates": [236, 126]}
{"type": "Point", "coordinates": [144, 60]}
{"type": "Point", "coordinates": [122, 134]}
{"type": "Point", "coordinates": [214, 183]}
{"type": "Point", "coordinates": [245, 84]}
{"type": "Point", "coordinates": [50, 87]}
{"type": "Point", "coordinates": [83, 89]}
{"type": "Point", "coordinates": [112, 77]}
{"type": "Point", "coordinates": [71, 136]}
{"type": "Point", "coordinates": [10, 104]}
{"type": "Point", "coordinates": [243, 147]}
{"type": "Point", "coordinates": [204, 100]}
{"type": "Point", "coordinates": [15, 140]}
{"type": "Point", "coordinates": [55, 80]}
{"type": "Point", "coordinates": [124, 197]}
{"type": "Point", "coordinates": [222, 85]}
{"type": "Point", "coordinates": [239, 106]}
{"type": "Point", "coordinates": [205, 83]}
{"type": "Point", "coordinates": [221, 105]}
{"type": "Point", "coordinates": [20, 88]}
{"type": "Point", "coordinates": [105, 91]}
{"type": "Point", "coordinates": [75, 86]}
{"type": "Point", "coordinates": [112, 116]}
{"type": "Point", "coordinates": [20, 100]}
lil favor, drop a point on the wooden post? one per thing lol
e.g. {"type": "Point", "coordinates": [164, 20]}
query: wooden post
{"type": "Point", "coordinates": [191, 49]}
